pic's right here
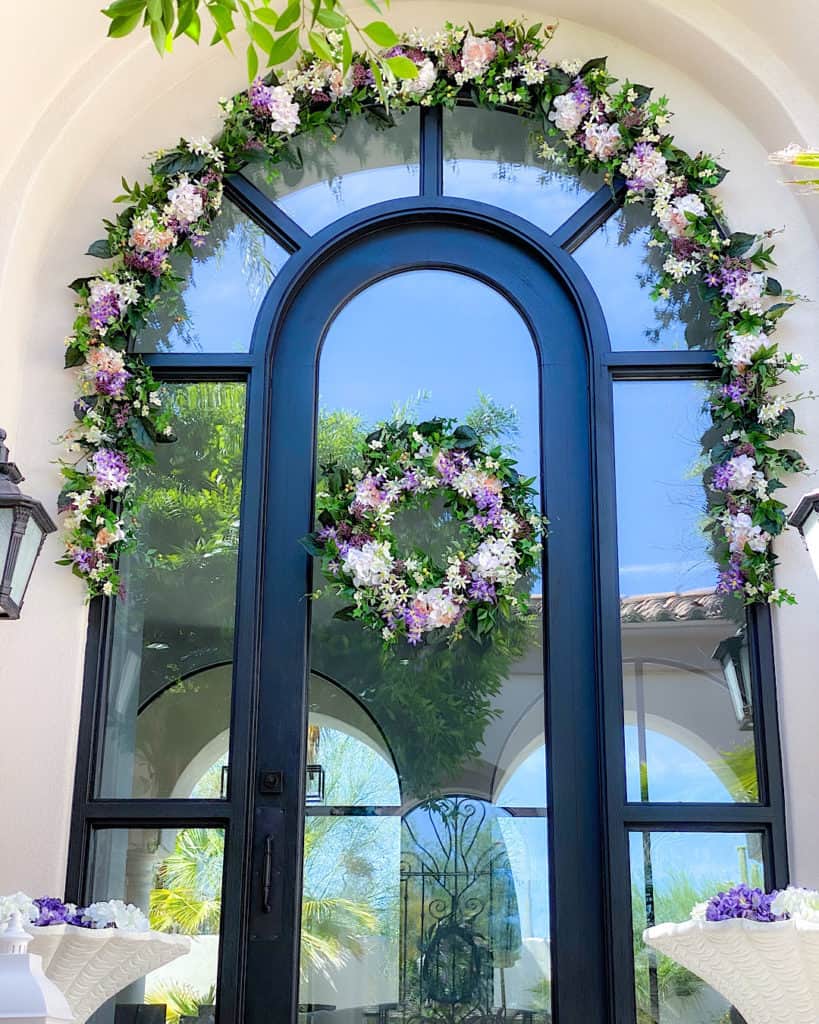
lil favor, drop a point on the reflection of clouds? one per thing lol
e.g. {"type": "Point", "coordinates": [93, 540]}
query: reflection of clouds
{"type": "Point", "coordinates": [674, 772]}
{"type": "Point", "coordinates": [649, 567]}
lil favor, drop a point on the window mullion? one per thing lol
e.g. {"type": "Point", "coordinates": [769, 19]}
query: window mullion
{"type": "Point", "coordinates": [432, 151]}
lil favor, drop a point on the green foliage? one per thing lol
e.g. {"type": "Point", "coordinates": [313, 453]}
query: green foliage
{"type": "Point", "coordinates": [321, 27]}
{"type": "Point", "coordinates": [180, 1000]}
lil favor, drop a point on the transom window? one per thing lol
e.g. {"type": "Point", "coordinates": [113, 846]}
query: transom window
{"type": "Point", "coordinates": [459, 835]}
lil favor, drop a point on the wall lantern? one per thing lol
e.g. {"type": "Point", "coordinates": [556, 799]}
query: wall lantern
{"type": "Point", "coordinates": [805, 517]}
{"type": "Point", "coordinates": [732, 654]}
{"type": "Point", "coordinates": [23, 526]}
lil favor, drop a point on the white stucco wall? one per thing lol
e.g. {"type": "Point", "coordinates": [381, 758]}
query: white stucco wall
{"type": "Point", "coordinates": [80, 111]}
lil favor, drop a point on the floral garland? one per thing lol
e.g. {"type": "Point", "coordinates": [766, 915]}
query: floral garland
{"type": "Point", "coordinates": [48, 910]}
{"type": "Point", "coordinates": [404, 466]}
{"type": "Point", "coordinates": [585, 122]}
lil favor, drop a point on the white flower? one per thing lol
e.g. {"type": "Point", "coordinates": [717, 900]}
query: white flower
{"type": "Point", "coordinates": [771, 411]}
{"type": "Point", "coordinates": [495, 560]}
{"type": "Point", "coordinates": [673, 219]}
{"type": "Point", "coordinates": [644, 167]}
{"type": "Point", "coordinates": [423, 83]}
{"type": "Point", "coordinates": [185, 203]}
{"type": "Point", "coordinates": [747, 294]}
{"type": "Point", "coordinates": [204, 147]}
{"type": "Point", "coordinates": [442, 610]}
{"type": "Point", "coordinates": [369, 565]}
{"type": "Point", "coordinates": [679, 269]}
{"type": "Point", "coordinates": [741, 531]}
{"type": "Point", "coordinates": [744, 473]}
{"type": "Point", "coordinates": [802, 904]}
{"type": "Point", "coordinates": [602, 140]}
{"type": "Point", "coordinates": [126, 917]}
{"type": "Point", "coordinates": [283, 110]}
{"type": "Point", "coordinates": [698, 911]}
{"type": "Point", "coordinates": [571, 67]}
{"type": "Point", "coordinates": [568, 111]}
{"type": "Point", "coordinates": [743, 348]}
{"type": "Point", "coordinates": [18, 902]}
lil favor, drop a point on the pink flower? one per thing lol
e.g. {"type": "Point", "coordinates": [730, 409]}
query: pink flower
{"type": "Point", "coordinates": [602, 140]}
{"type": "Point", "coordinates": [476, 56]}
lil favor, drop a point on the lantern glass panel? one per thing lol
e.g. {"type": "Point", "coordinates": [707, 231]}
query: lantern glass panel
{"type": "Point", "coordinates": [6, 519]}
{"type": "Point", "coordinates": [26, 556]}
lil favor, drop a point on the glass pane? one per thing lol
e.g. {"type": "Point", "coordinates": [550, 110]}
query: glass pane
{"type": "Point", "coordinates": [427, 770]}
{"type": "Point", "coordinates": [688, 714]}
{"type": "Point", "coordinates": [369, 163]}
{"type": "Point", "coordinates": [623, 270]}
{"type": "Point", "coordinates": [221, 290]}
{"type": "Point", "coordinates": [27, 553]}
{"type": "Point", "coordinates": [670, 872]}
{"type": "Point", "coordinates": [489, 156]}
{"type": "Point", "coordinates": [174, 876]}
{"type": "Point", "coordinates": [168, 711]}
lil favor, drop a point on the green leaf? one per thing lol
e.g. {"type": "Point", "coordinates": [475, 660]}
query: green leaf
{"type": "Point", "coordinates": [741, 242]}
{"type": "Point", "coordinates": [123, 26]}
{"type": "Point", "coordinates": [160, 37]}
{"type": "Point", "coordinates": [374, 5]}
{"type": "Point", "coordinates": [402, 67]}
{"type": "Point", "coordinates": [186, 12]}
{"type": "Point", "coordinates": [379, 81]}
{"type": "Point", "coordinates": [381, 34]}
{"type": "Point", "coordinates": [346, 614]}
{"type": "Point", "coordinates": [168, 15]}
{"type": "Point", "coordinates": [260, 36]}
{"type": "Point", "coordinates": [308, 542]}
{"type": "Point", "coordinates": [194, 30]}
{"type": "Point", "coordinates": [595, 64]}
{"type": "Point", "coordinates": [267, 16]}
{"type": "Point", "coordinates": [252, 62]}
{"type": "Point", "coordinates": [330, 19]}
{"type": "Point", "coordinates": [101, 249]}
{"type": "Point", "coordinates": [773, 287]}
{"type": "Point", "coordinates": [124, 8]}
{"type": "Point", "coordinates": [155, 10]}
{"type": "Point", "coordinates": [347, 52]}
{"type": "Point", "coordinates": [319, 47]}
{"type": "Point", "coordinates": [222, 18]}
{"type": "Point", "coordinates": [289, 16]}
{"type": "Point", "coordinates": [73, 357]}
{"type": "Point", "coordinates": [284, 47]}
{"type": "Point", "coordinates": [79, 283]}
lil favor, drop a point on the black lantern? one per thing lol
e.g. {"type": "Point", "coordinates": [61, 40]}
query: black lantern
{"type": "Point", "coordinates": [732, 654]}
{"type": "Point", "coordinates": [23, 526]}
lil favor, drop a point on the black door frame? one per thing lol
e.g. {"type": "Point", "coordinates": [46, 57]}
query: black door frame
{"type": "Point", "coordinates": [615, 815]}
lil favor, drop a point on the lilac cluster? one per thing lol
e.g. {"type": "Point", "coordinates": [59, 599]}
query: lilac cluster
{"type": "Point", "coordinates": [481, 590]}
{"type": "Point", "coordinates": [103, 308]}
{"type": "Point", "coordinates": [741, 901]}
{"type": "Point", "coordinates": [54, 911]}
{"type": "Point", "coordinates": [736, 391]}
{"type": "Point", "coordinates": [731, 579]}
{"type": "Point", "coordinates": [110, 469]}
{"type": "Point", "coordinates": [723, 475]}
{"type": "Point", "coordinates": [111, 383]}
{"type": "Point", "coordinates": [490, 505]}
{"type": "Point", "coordinates": [151, 262]}
{"type": "Point", "coordinates": [451, 464]}
{"type": "Point", "coordinates": [260, 97]}
{"type": "Point", "coordinates": [86, 560]}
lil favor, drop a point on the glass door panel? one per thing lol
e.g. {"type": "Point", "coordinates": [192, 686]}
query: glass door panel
{"type": "Point", "coordinates": [425, 874]}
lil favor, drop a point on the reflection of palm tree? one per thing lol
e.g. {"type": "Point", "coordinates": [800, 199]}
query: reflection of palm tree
{"type": "Point", "coordinates": [180, 1000]}
{"type": "Point", "coordinates": [188, 900]}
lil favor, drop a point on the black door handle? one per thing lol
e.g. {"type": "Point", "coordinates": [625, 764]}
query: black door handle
{"type": "Point", "coordinates": [267, 874]}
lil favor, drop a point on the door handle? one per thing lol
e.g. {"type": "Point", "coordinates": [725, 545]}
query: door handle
{"type": "Point", "coordinates": [267, 874]}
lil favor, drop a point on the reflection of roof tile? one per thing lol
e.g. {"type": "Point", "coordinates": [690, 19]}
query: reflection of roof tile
{"type": "Point", "coordinates": [691, 605]}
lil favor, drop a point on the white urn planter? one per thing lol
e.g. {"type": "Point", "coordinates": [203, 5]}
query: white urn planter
{"type": "Point", "coordinates": [91, 965]}
{"type": "Point", "coordinates": [768, 970]}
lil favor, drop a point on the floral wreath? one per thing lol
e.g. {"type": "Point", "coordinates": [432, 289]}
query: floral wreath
{"type": "Point", "coordinates": [586, 122]}
{"type": "Point", "coordinates": [405, 466]}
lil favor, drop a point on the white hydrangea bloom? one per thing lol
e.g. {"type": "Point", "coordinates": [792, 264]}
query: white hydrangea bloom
{"type": "Point", "coordinates": [18, 902]}
{"type": "Point", "coordinates": [674, 220]}
{"type": "Point", "coordinates": [185, 203]}
{"type": "Point", "coordinates": [743, 348]}
{"type": "Point", "coordinates": [369, 565]}
{"type": "Point", "coordinates": [124, 916]}
{"type": "Point", "coordinates": [495, 560]}
{"type": "Point", "coordinates": [698, 911]}
{"type": "Point", "coordinates": [423, 83]}
{"type": "Point", "coordinates": [802, 904]}
{"type": "Point", "coordinates": [741, 531]}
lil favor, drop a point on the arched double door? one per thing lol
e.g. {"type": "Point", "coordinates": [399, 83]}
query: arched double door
{"type": "Point", "coordinates": [427, 835]}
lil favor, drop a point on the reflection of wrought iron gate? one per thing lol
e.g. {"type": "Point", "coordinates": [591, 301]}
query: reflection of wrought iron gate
{"type": "Point", "coordinates": [459, 917]}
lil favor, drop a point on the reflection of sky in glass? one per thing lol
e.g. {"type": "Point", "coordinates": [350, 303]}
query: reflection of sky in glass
{"type": "Point", "coordinates": [675, 771]}
{"type": "Point", "coordinates": [616, 261]}
{"type": "Point", "coordinates": [438, 332]}
{"type": "Point", "coordinates": [706, 859]}
{"type": "Point", "coordinates": [221, 293]}
{"type": "Point", "coordinates": [660, 496]}
{"type": "Point", "coordinates": [526, 786]}
{"type": "Point", "coordinates": [489, 157]}
{"type": "Point", "coordinates": [316, 206]}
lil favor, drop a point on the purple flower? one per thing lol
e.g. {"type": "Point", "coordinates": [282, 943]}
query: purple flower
{"type": "Point", "coordinates": [450, 464]}
{"type": "Point", "coordinates": [410, 481]}
{"type": "Point", "coordinates": [741, 901]}
{"type": "Point", "coordinates": [84, 560]}
{"type": "Point", "coordinates": [712, 279]}
{"type": "Point", "coordinates": [259, 96]}
{"type": "Point", "coordinates": [52, 911]}
{"type": "Point", "coordinates": [481, 590]}
{"type": "Point", "coordinates": [736, 391]}
{"type": "Point", "coordinates": [111, 383]}
{"type": "Point", "coordinates": [110, 469]}
{"type": "Point", "coordinates": [732, 579]}
{"type": "Point", "coordinates": [490, 503]}
{"type": "Point", "coordinates": [149, 261]}
{"type": "Point", "coordinates": [103, 308]}
{"type": "Point", "coordinates": [723, 475]}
